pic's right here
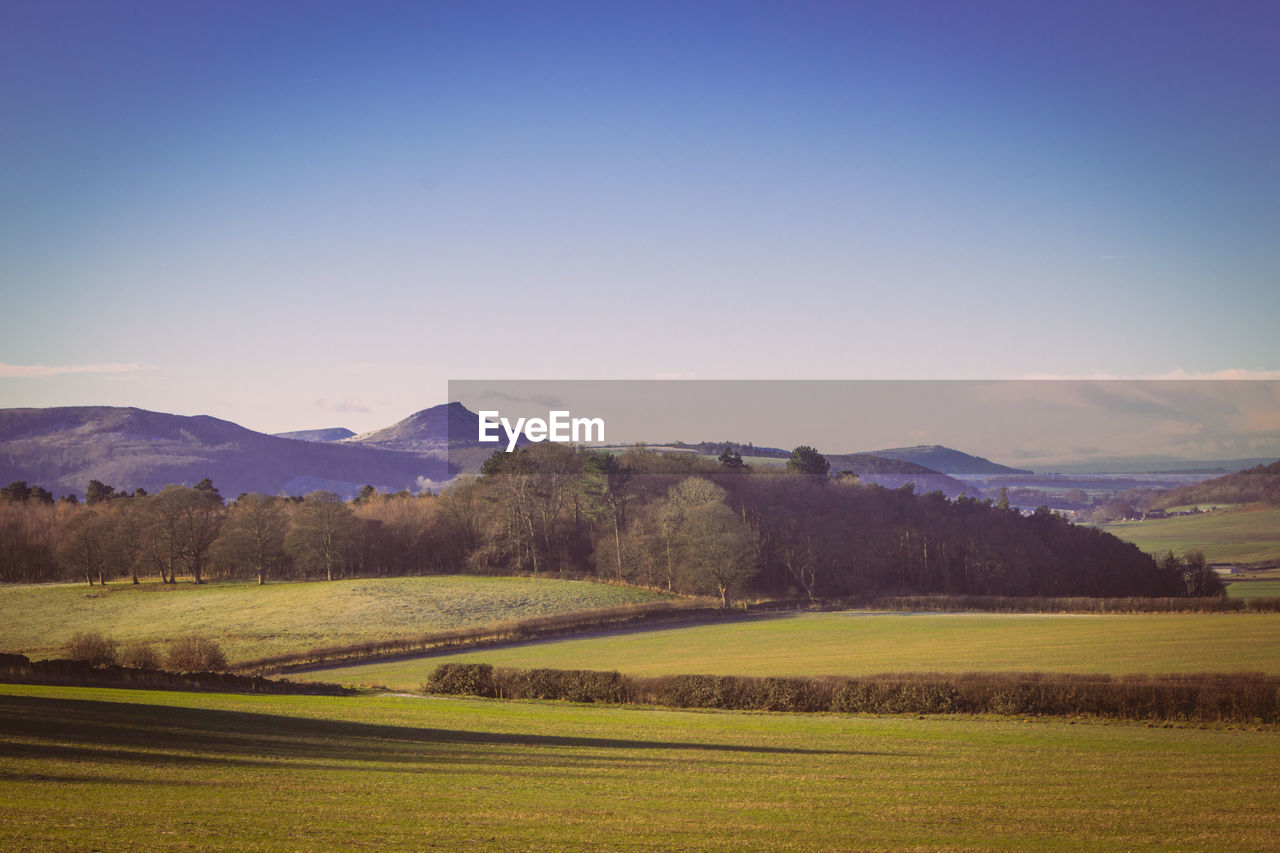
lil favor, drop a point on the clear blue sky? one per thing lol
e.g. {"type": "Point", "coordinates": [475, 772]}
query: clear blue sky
{"type": "Point", "coordinates": [309, 214]}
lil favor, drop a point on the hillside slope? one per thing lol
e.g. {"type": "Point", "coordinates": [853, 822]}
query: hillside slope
{"type": "Point", "coordinates": [251, 621]}
{"type": "Point", "coordinates": [435, 430]}
{"type": "Point", "coordinates": [1260, 484]}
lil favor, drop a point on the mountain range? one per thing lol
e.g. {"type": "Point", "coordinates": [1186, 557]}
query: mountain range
{"type": "Point", "coordinates": [64, 448]}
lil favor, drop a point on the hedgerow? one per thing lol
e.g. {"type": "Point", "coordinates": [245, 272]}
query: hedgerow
{"type": "Point", "coordinates": [1243, 697]}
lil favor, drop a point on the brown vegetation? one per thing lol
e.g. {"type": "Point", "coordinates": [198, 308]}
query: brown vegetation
{"type": "Point", "coordinates": [196, 654]}
{"type": "Point", "coordinates": [1044, 604]}
{"type": "Point", "coordinates": [17, 669]}
{"type": "Point", "coordinates": [92, 648]}
{"type": "Point", "coordinates": [1241, 698]}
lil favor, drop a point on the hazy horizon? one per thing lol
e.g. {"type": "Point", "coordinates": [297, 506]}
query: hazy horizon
{"type": "Point", "coordinates": [1026, 423]}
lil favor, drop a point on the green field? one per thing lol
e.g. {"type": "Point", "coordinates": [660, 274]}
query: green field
{"type": "Point", "coordinates": [93, 769]}
{"type": "Point", "coordinates": [254, 621]}
{"type": "Point", "coordinates": [1245, 536]}
{"type": "Point", "coordinates": [868, 643]}
{"type": "Point", "coordinates": [1254, 589]}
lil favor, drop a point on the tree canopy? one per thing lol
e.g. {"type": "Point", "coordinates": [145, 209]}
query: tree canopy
{"type": "Point", "coordinates": [806, 460]}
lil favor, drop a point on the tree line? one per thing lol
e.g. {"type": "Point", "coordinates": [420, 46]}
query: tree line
{"type": "Point", "coordinates": [676, 521]}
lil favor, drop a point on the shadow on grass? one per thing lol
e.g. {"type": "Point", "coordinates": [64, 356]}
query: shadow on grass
{"type": "Point", "coordinates": [43, 728]}
{"type": "Point", "coordinates": [79, 779]}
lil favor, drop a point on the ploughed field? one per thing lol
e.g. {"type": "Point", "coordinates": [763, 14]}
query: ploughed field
{"type": "Point", "coordinates": [251, 621]}
{"type": "Point", "coordinates": [864, 643]}
{"type": "Point", "coordinates": [129, 769]}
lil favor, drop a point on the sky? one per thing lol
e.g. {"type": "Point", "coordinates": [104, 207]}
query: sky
{"type": "Point", "coordinates": [310, 214]}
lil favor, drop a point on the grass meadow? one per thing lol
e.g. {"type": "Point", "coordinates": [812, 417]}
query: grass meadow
{"type": "Point", "coordinates": [116, 769]}
{"type": "Point", "coordinates": [1242, 535]}
{"type": "Point", "coordinates": [1269, 588]}
{"type": "Point", "coordinates": [251, 621]}
{"type": "Point", "coordinates": [861, 643]}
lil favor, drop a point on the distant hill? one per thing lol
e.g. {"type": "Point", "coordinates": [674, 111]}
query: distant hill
{"type": "Point", "coordinates": [870, 467]}
{"type": "Point", "coordinates": [945, 460]}
{"type": "Point", "coordinates": [449, 427]}
{"type": "Point", "coordinates": [330, 434]}
{"type": "Point", "coordinates": [893, 473]}
{"type": "Point", "coordinates": [1260, 484]}
{"type": "Point", "coordinates": [63, 448]}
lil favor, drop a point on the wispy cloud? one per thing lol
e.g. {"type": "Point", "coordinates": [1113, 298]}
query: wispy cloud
{"type": "Point", "coordinates": [1176, 373]}
{"type": "Point", "coordinates": [43, 371]}
{"type": "Point", "coordinates": [348, 405]}
{"type": "Point", "coordinates": [1230, 373]}
{"type": "Point", "coordinates": [428, 484]}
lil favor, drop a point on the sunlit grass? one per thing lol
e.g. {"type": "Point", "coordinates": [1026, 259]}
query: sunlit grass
{"type": "Point", "coordinates": [100, 769]}
{"type": "Point", "coordinates": [1254, 589]}
{"type": "Point", "coordinates": [254, 621]}
{"type": "Point", "coordinates": [1241, 535]}
{"type": "Point", "coordinates": [869, 643]}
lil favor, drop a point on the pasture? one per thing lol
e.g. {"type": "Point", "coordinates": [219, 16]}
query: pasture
{"type": "Point", "coordinates": [251, 621]}
{"type": "Point", "coordinates": [1269, 588]}
{"type": "Point", "coordinates": [862, 643]}
{"type": "Point", "coordinates": [1242, 535]}
{"type": "Point", "coordinates": [117, 769]}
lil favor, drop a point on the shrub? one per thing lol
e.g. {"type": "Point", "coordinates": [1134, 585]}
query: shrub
{"type": "Point", "coordinates": [692, 691]}
{"type": "Point", "coordinates": [897, 694]}
{"type": "Point", "coordinates": [196, 654]}
{"type": "Point", "coordinates": [140, 656]}
{"type": "Point", "coordinates": [854, 697]}
{"type": "Point", "coordinates": [783, 694]}
{"type": "Point", "coordinates": [588, 686]}
{"type": "Point", "coordinates": [470, 679]}
{"type": "Point", "coordinates": [1011, 700]}
{"type": "Point", "coordinates": [92, 647]}
{"type": "Point", "coordinates": [574, 685]}
{"type": "Point", "coordinates": [1264, 605]}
